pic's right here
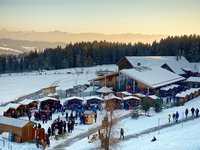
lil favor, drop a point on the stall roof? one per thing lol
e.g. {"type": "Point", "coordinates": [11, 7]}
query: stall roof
{"type": "Point", "coordinates": [104, 89]}
{"type": "Point", "coordinates": [153, 77]}
{"type": "Point", "coordinates": [93, 97]}
{"type": "Point", "coordinates": [13, 122]}
{"type": "Point", "coordinates": [11, 105]}
{"type": "Point", "coordinates": [74, 97]}
{"type": "Point", "coordinates": [88, 112]}
{"type": "Point", "coordinates": [153, 97]}
{"type": "Point", "coordinates": [166, 88]}
{"type": "Point", "coordinates": [140, 94]}
{"type": "Point", "coordinates": [111, 96]}
{"type": "Point", "coordinates": [187, 92]}
{"type": "Point", "coordinates": [27, 101]}
{"type": "Point", "coordinates": [47, 98]}
{"type": "Point", "coordinates": [130, 97]}
{"type": "Point", "coordinates": [125, 93]}
{"type": "Point", "coordinates": [193, 79]}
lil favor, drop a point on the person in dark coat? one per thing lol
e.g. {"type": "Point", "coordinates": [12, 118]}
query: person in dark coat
{"type": "Point", "coordinates": [192, 110]}
{"type": "Point", "coordinates": [177, 116]}
{"type": "Point", "coordinates": [174, 116]}
{"type": "Point", "coordinates": [66, 116]}
{"type": "Point", "coordinates": [186, 112]}
{"type": "Point", "coordinates": [39, 125]}
{"type": "Point", "coordinates": [154, 139]}
{"type": "Point", "coordinates": [121, 133]}
{"type": "Point", "coordinates": [49, 131]}
{"type": "Point", "coordinates": [64, 126]}
{"type": "Point", "coordinates": [95, 117]}
{"type": "Point", "coordinates": [197, 112]}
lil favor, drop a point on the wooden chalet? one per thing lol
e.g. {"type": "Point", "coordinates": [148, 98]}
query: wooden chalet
{"type": "Point", "coordinates": [193, 82]}
{"type": "Point", "coordinates": [22, 129]}
{"type": "Point", "coordinates": [47, 90]}
{"type": "Point", "coordinates": [93, 101]}
{"type": "Point", "coordinates": [72, 103]}
{"type": "Point", "coordinates": [47, 103]}
{"type": "Point", "coordinates": [112, 101]}
{"type": "Point", "coordinates": [130, 102]}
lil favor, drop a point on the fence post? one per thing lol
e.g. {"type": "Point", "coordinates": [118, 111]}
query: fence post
{"type": "Point", "coordinates": [158, 125]}
{"type": "Point", "coordinates": [182, 118]}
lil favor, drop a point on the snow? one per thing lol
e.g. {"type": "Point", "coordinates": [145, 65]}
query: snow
{"type": "Point", "coordinates": [173, 138]}
{"type": "Point", "coordinates": [159, 61]}
{"type": "Point", "coordinates": [153, 97]}
{"type": "Point", "coordinates": [125, 93]}
{"type": "Point", "coordinates": [193, 79]}
{"type": "Point", "coordinates": [47, 98]}
{"type": "Point", "coordinates": [16, 85]}
{"type": "Point", "coordinates": [151, 78]}
{"type": "Point", "coordinates": [104, 89]}
{"type": "Point", "coordinates": [187, 92]}
{"type": "Point", "coordinates": [111, 96]}
{"type": "Point", "coordinates": [169, 87]}
{"type": "Point", "coordinates": [27, 101]}
{"type": "Point", "coordinates": [130, 97]}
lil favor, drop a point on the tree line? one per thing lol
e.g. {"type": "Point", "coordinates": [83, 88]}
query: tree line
{"type": "Point", "coordinates": [85, 54]}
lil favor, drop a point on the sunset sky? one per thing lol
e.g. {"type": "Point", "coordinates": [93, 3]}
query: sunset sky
{"type": "Point", "coordinates": [171, 17]}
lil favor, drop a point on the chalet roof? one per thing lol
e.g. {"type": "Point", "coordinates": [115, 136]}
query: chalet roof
{"type": "Point", "coordinates": [11, 105]}
{"type": "Point", "coordinates": [124, 92]}
{"type": "Point", "coordinates": [111, 96]}
{"type": "Point", "coordinates": [47, 98]}
{"type": "Point", "coordinates": [130, 97]}
{"type": "Point", "coordinates": [104, 76]}
{"type": "Point", "coordinates": [104, 89]}
{"type": "Point", "coordinates": [153, 97]}
{"type": "Point", "coordinates": [93, 97]}
{"type": "Point", "coordinates": [193, 79]}
{"type": "Point", "coordinates": [88, 112]}
{"type": "Point", "coordinates": [159, 61]}
{"type": "Point", "coordinates": [153, 77]}
{"type": "Point", "coordinates": [187, 92]}
{"type": "Point", "coordinates": [27, 101]}
{"type": "Point", "coordinates": [13, 122]}
{"type": "Point", "coordinates": [74, 97]}
{"type": "Point", "coordinates": [166, 88]}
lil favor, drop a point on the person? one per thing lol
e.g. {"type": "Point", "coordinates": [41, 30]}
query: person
{"type": "Point", "coordinates": [39, 125]}
{"type": "Point", "coordinates": [173, 115]}
{"type": "Point", "coordinates": [186, 112]}
{"type": "Point", "coordinates": [56, 133]}
{"type": "Point", "coordinates": [95, 117]}
{"type": "Point", "coordinates": [177, 116]}
{"type": "Point", "coordinates": [49, 131]}
{"type": "Point", "coordinates": [29, 115]}
{"type": "Point", "coordinates": [154, 139]}
{"type": "Point", "coordinates": [121, 133]}
{"type": "Point", "coordinates": [197, 112]}
{"type": "Point", "coordinates": [169, 118]}
{"type": "Point", "coordinates": [192, 110]}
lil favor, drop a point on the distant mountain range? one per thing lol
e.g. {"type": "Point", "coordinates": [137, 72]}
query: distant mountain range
{"type": "Point", "coordinates": [19, 42]}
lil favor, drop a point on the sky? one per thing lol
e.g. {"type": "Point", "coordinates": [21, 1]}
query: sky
{"type": "Point", "coordinates": [171, 17]}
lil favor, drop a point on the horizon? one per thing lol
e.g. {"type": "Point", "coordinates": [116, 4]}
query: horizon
{"type": "Point", "coordinates": [146, 17]}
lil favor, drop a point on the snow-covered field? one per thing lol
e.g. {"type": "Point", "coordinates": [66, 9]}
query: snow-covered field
{"type": "Point", "coordinates": [18, 84]}
{"type": "Point", "coordinates": [178, 137]}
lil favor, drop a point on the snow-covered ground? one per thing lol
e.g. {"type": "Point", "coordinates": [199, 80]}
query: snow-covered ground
{"type": "Point", "coordinates": [173, 138]}
{"type": "Point", "coordinates": [18, 84]}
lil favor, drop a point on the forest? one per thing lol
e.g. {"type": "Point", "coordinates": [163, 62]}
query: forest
{"type": "Point", "coordinates": [85, 54]}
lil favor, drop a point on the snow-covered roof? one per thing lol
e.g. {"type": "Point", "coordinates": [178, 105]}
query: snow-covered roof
{"type": "Point", "coordinates": [125, 93]}
{"type": "Point", "coordinates": [187, 92]}
{"type": "Point", "coordinates": [153, 77]}
{"type": "Point", "coordinates": [11, 105]}
{"type": "Point", "coordinates": [159, 61]}
{"type": "Point", "coordinates": [93, 97]}
{"type": "Point", "coordinates": [104, 89]}
{"type": "Point", "coordinates": [111, 96]}
{"type": "Point", "coordinates": [166, 88]}
{"type": "Point", "coordinates": [140, 94]}
{"type": "Point", "coordinates": [193, 79]}
{"type": "Point", "coordinates": [153, 97]}
{"type": "Point", "coordinates": [130, 97]}
{"type": "Point", "coordinates": [52, 94]}
{"type": "Point", "coordinates": [27, 101]}
{"type": "Point", "coordinates": [196, 67]}
{"type": "Point", "coordinates": [74, 97]}
{"type": "Point", "coordinates": [88, 112]}
{"type": "Point", "coordinates": [13, 122]}
{"type": "Point", "coordinates": [47, 98]}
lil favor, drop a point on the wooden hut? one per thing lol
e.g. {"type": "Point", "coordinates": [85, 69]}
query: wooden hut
{"type": "Point", "coordinates": [72, 103]}
{"type": "Point", "coordinates": [13, 110]}
{"type": "Point", "coordinates": [131, 102]}
{"type": "Point", "coordinates": [112, 99]}
{"type": "Point", "coordinates": [22, 129]}
{"type": "Point", "coordinates": [93, 101]}
{"type": "Point", "coordinates": [47, 103]}
{"type": "Point", "coordinates": [151, 99]}
{"type": "Point", "coordinates": [104, 91]}
{"type": "Point", "coordinates": [89, 117]}
{"type": "Point", "coordinates": [29, 104]}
